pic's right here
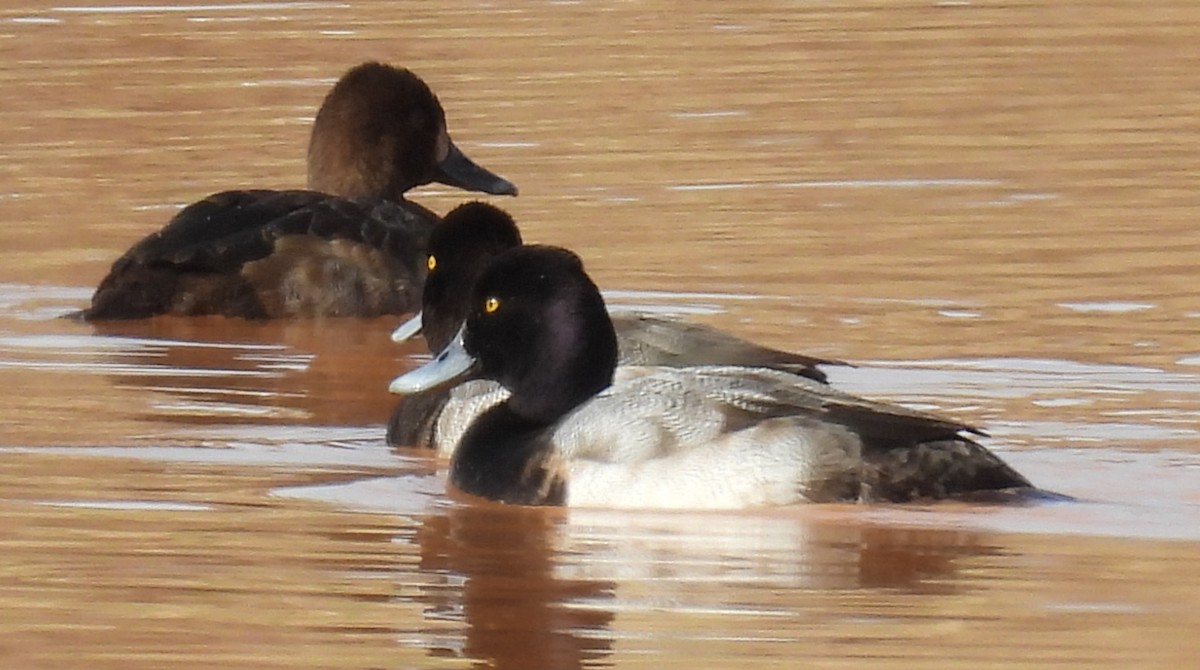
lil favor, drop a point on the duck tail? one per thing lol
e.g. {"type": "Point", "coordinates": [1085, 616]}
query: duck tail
{"type": "Point", "coordinates": [949, 468]}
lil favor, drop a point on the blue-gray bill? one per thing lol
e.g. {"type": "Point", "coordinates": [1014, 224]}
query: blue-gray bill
{"type": "Point", "coordinates": [408, 330]}
{"type": "Point", "coordinates": [451, 363]}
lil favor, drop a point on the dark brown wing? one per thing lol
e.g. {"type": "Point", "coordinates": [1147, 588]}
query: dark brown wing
{"type": "Point", "coordinates": [906, 454]}
{"type": "Point", "coordinates": [193, 264]}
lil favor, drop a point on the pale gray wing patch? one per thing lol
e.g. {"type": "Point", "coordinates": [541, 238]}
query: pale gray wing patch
{"type": "Point", "coordinates": [709, 437]}
{"type": "Point", "coordinates": [639, 418]}
{"type": "Point", "coordinates": [780, 461]}
{"type": "Point", "coordinates": [650, 412]}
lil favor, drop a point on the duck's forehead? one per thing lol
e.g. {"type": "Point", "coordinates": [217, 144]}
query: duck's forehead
{"type": "Point", "coordinates": [537, 286]}
{"type": "Point", "coordinates": [533, 273]}
{"type": "Point", "coordinates": [473, 233]}
{"type": "Point", "coordinates": [512, 279]}
{"type": "Point", "coordinates": [464, 248]}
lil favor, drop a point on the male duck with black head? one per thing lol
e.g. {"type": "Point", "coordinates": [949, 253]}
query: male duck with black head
{"type": "Point", "coordinates": [577, 430]}
{"type": "Point", "coordinates": [474, 233]}
{"type": "Point", "coordinates": [460, 247]}
{"type": "Point", "coordinates": [350, 245]}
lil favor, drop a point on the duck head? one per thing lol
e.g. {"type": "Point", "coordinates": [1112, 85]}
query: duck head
{"type": "Point", "coordinates": [459, 248]}
{"type": "Point", "coordinates": [536, 323]}
{"type": "Point", "coordinates": [380, 132]}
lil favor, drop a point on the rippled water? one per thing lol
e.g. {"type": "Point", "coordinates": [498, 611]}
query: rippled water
{"type": "Point", "coordinates": [988, 208]}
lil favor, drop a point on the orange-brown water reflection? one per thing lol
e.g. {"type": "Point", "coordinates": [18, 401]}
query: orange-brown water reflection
{"type": "Point", "coordinates": [989, 206]}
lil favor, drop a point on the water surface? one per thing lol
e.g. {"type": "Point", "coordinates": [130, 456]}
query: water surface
{"type": "Point", "coordinates": [988, 207]}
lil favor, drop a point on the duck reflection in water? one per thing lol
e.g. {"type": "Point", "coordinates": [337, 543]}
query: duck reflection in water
{"type": "Point", "coordinates": [519, 613]}
{"type": "Point", "coordinates": [208, 371]}
{"type": "Point", "coordinates": [538, 588]}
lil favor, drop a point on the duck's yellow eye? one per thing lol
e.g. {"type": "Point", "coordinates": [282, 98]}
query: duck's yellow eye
{"type": "Point", "coordinates": [431, 262]}
{"type": "Point", "coordinates": [491, 304]}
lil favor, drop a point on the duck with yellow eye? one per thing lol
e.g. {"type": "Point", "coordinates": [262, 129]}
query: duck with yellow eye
{"type": "Point", "coordinates": [574, 428]}
{"type": "Point", "coordinates": [470, 235]}
{"type": "Point", "coordinates": [460, 247]}
{"type": "Point", "coordinates": [412, 326]}
{"type": "Point", "coordinates": [451, 264]}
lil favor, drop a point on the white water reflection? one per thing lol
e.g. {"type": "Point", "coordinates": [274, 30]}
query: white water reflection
{"type": "Point", "coordinates": [845, 183]}
{"type": "Point", "coordinates": [162, 9]}
{"type": "Point", "coordinates": [1098, 478]}
{"type": "Point", "coordinates": [1110, 307]}
{"type": "Point", "coordinates": [297, 446]}
{"type": "Point", "coordinates": [1008, 378]}
{"type": "Point", "coordinates": [401, 495]}
{"type": "Point", "coordinates": [140, 505]}
{"type": "Point", "coordinates": [28, 302]}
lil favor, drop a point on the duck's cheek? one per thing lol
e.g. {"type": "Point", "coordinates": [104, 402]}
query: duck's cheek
{"type": "Point", "coordinates": [441, 147]}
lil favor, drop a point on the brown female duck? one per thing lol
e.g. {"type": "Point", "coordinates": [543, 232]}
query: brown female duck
{"type": "Point", "coordinates": [350, 245]}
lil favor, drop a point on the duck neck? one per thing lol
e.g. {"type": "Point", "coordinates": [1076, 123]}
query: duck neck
{"type": "Point", "coordinates": [509, 458]}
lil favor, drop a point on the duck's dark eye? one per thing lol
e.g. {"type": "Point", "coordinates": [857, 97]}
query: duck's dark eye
{"type": "Point", "coordinates": [431, 262]}
{"type": "Point", "coordinates": [491, 305]}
